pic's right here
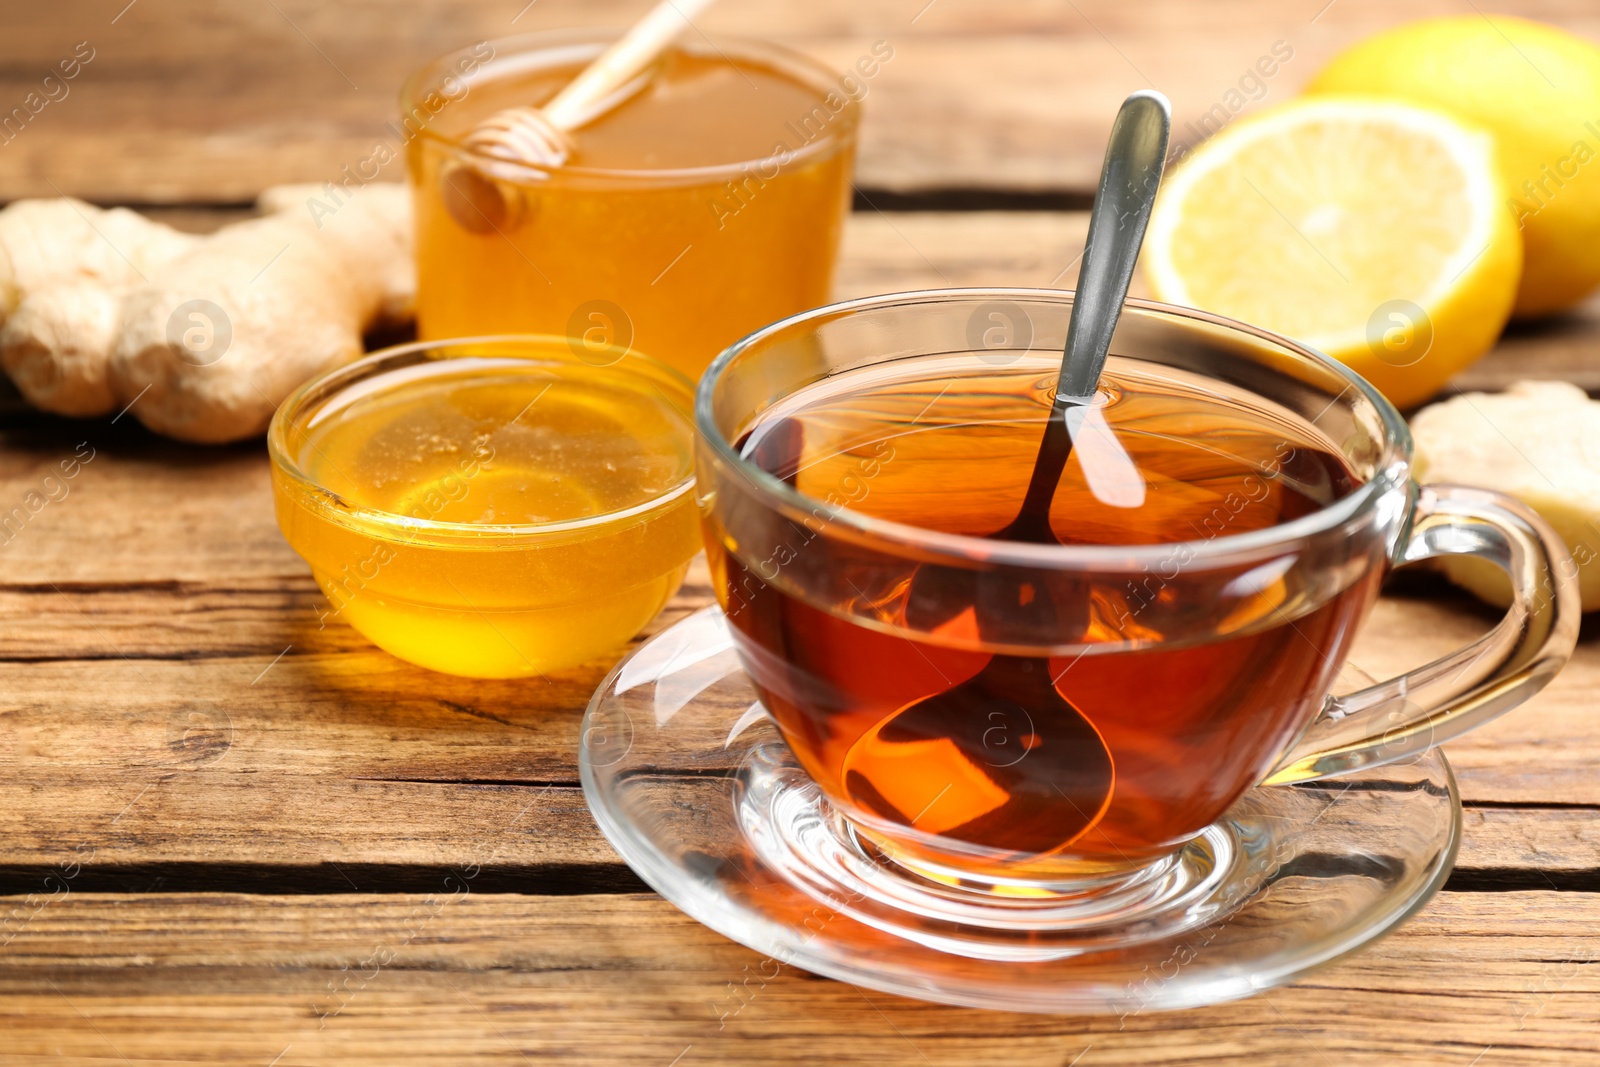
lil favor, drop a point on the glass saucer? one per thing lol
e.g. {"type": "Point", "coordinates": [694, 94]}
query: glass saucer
{"type": "Point", "coordinates": [691, 783]}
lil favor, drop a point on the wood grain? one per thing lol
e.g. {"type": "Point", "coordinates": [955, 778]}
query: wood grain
{"type": "Point", "coordinates": [476, 978]}
{"type": "Point", "coordinates": [198, 102]}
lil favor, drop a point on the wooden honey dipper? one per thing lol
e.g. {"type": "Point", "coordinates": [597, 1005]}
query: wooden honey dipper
{"type": "Point", "coordinates": [539, 136]}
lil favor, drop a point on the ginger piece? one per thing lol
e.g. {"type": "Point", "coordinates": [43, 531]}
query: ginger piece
{"type": "Point", "coordinates": [399, 277]}
{"type": "Point", "coordinates": [207, 350]}
{"type": "Point", "coordinates": [50, 242]}
{"type": "Point", "coordinates": [203, 336]}
{"type": "Point", "coordinates": [57, 344]}
{"type": "Point", "coordinates": [1538, 442]}
{"type": "Point", "coordinates": [64, 266]}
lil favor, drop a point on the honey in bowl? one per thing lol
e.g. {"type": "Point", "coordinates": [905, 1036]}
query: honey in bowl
{"type": "Point", "coordinates": [706, 205]}
{"type": "Point", "coordinates": [494, 509]}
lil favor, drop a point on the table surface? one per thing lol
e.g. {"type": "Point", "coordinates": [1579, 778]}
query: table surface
{"type": "Point", "coordinates": [214, 816]}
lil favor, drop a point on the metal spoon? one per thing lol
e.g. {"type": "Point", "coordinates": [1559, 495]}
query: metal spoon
{"type": "Point", "coordinates": [1058, 752]}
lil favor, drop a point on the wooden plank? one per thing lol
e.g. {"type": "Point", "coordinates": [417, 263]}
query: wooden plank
{"type": "Point", "coordinates": [471, 978]}
{"type": "Point", "coordinates": [886, 252]}
{"type": "Point", "coordinates": [1556, 847]}
{"type": "Point", "coordinates": [891, 251]}
{"type": "Point", "coordinates": [196, 102]}
{"type": "Point", "coordinates": [1562, 349]}
{"type": "Point", "coordinates": [329, 833]}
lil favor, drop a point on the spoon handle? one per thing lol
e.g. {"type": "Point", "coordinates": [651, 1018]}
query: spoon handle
{"type": "Point", "coordinates": [1134, 160]}
{"type": "Point", "coordinates": [1128, 181]}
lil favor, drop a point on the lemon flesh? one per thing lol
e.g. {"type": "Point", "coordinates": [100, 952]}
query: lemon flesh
{"type": "Point", "coordinates": [1536, 89]}
{"type": "Point", "coordinates": [1372, 230]}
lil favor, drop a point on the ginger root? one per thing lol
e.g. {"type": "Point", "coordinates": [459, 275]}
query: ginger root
{"type": "Point", "coordinates": [50, 242]}
{"type": "Point", "coordinates": [201, 337]}
{"type": "Point", "coordinates": [1538, 442]}
{"type": "Point", "coordinates": [62, 265]}
{"type": "Point", "coordinates": [56, 346]}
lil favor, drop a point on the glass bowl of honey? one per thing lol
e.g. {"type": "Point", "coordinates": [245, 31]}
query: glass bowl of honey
{"type": "Point", "coordinates": [496, 507]}
{"type": "Point", "coordinates": [705, 205]}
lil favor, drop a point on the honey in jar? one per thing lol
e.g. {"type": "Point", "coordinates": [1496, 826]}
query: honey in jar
{"type": "Point", "coordinates": [707, 204]}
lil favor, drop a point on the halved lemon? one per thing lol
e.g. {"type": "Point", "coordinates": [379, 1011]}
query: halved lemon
{"type": "Point", "coordinates": [1373, 230]}
{"type": "Point", "coordinates": [1536, 90]}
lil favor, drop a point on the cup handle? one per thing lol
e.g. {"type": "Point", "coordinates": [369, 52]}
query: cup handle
{"type": "Point", "coordinates": [1405, 716]}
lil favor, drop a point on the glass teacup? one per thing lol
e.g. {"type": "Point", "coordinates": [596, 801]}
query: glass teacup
{"type": "Point", "coordinates": [1062, 720]}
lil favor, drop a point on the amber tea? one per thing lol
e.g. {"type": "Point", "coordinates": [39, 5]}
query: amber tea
{"type": "Point", "coordinates": [1113, 740]}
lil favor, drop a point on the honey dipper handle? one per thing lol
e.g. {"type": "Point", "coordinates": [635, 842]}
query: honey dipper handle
{"type": "Point", "coordinates": [617, 65]}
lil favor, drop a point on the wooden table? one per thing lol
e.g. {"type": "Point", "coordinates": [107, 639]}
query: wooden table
{"type": "Point", "coordinates": [216, 819]}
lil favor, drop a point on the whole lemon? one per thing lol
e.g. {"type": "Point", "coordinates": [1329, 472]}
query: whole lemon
{"type": "Point", "coordinates": [1536, 89]}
